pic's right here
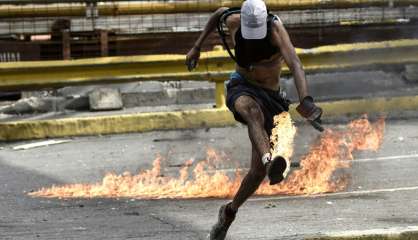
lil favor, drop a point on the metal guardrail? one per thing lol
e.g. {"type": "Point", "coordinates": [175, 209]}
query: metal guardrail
{"type": "Point", "coordinates": [115, 8]}
{"type": "Point", "coordinates": [214, 66]}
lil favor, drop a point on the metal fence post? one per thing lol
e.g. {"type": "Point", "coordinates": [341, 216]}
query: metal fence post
{"type": "Point", "coordinates": [220, 95]}
{"type": "Point", "coordinates": [66, 44]}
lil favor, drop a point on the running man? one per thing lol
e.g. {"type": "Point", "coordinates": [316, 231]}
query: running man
{"type": "Point", "coordinates": [261, 43]}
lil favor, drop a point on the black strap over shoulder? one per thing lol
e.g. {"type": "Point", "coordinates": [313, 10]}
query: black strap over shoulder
{"type": "Point", "coordinates": [221, 31]}
{"type": "Point", "coordinates": [222, 23]}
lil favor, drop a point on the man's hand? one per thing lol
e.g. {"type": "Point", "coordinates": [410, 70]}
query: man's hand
{"type": "Point", "coordinates": [311, 112]}
{"type": "Point", "coordinates": [192, 58]}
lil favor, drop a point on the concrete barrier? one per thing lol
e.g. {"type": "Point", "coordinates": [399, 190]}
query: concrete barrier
{"type": "Point", "coordinates": [205, 118]}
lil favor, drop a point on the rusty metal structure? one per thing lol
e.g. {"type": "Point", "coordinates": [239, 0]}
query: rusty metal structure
{"type": "Point", "coordinates": [116, 8]}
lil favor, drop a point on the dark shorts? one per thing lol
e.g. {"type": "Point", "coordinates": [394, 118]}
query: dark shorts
{"type": "Point", "coordinates": [271, 102]}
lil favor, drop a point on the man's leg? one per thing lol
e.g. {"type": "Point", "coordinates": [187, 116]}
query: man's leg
{"type": "Point", "coordinates": [251, 112]}
{"type": "Point", "coordinates": [251, 181]}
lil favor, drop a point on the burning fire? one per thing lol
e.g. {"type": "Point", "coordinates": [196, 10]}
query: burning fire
{"type": "Point", "coordinates": [282, 138]}
{"type": "Point", "coordinates": [332, 152]}
{"type": "Point", "coordinates": [317, 173]}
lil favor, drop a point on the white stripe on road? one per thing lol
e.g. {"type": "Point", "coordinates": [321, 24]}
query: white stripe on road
{"type": "Point", "coordinates": [364, 192]}
{"type": "Point", "coordinates": [412, 156]}
{"type": "Point", "coordinates": [385, 158]}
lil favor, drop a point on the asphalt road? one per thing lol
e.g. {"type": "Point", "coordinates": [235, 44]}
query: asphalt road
{"type": "Point", "coordinates": [383, 192]}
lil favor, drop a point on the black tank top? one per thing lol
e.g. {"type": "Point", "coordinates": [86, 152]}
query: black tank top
{"type": "Point", "coordinates": [250, 51]}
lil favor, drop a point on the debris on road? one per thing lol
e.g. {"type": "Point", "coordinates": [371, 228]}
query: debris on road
{"type": "Point", "coordinates": [411, 73]}
{"type": "Point", "coordinates": [270, 205]}
{"type": "Point", "coordinates": [105, 99]}
{"type": "Point", "coordinates": [27, 105]}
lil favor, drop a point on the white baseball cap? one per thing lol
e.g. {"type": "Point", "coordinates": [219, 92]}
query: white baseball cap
{"type": "Point", "coordinates": [254, 19]}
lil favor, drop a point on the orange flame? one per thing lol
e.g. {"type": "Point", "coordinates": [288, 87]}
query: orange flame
{"type": "Point", "coordinates": [316, 175]}
{"type": "Point", "coordinates": [331, 153]}
{"type": "Point", "coordinates": [282, 138]}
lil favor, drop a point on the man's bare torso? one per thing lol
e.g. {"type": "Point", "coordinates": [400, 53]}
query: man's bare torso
{"type": "Point", "coordinates": [265, 73]}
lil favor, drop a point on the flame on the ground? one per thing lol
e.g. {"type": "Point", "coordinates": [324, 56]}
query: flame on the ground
{"type": "Point", "coordinates": [332, 152]}
{"type": "Point", "coordinates": [317, 173]}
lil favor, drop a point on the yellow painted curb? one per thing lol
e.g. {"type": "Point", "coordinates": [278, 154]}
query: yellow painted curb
{"type": "Point", "coordinates": [143, 122]}
{"type": "Point", "coordinates": [371, 105]}
{"type": "Point", "coordinates": [364, 106]}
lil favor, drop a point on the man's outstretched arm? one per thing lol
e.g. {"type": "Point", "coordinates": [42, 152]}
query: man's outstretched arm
{"type": "Point", "coordinates": [281, 37]}
{"type": "Point", "coordinates": [193, 55]}
{"type": "Point", "coordinates": [307, 107]}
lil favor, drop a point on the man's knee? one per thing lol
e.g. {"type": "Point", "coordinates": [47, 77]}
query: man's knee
{"type": "Point", "coordinates": [249, 109]}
